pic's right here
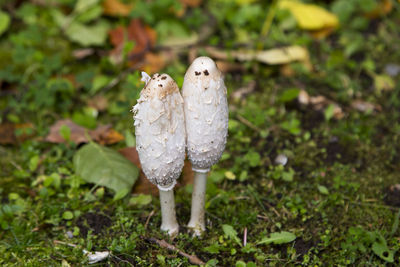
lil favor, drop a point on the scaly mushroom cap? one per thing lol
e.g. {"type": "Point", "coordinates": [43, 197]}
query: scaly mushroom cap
{"type": "Point", "coordinates": [206, 113]}
{"type": "Point", "coordinates": [160, 130]}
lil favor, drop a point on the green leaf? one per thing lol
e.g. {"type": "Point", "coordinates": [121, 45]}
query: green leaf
{"type": "Point", "coordinates": [213, 249]}
{"type": "Point", "coordinates": [381, 250]}
{"type": "Point", "coordinates": [231, 233]}
{"type": "Point", "coordinates": [278, 238]}
{"type": "Point", "coordinates": [65, 132]}
{"type": "Point", "coordinates": [106, 167]}
{"type": "Point", "coordinates": [99, 82]}
{"type": "Point", "coordinates": [288, 176]}
{"type": "Point", "coordinates": [67, 215]}
{"type": "Point", "coordinates": [289, 95]}
{"type": "Point", "coordinates": [253, 158]}
{"type": "Point", "coordinates": [33, 163]}
{"type": "Point", "coordinates": [323, 190]}
{"type": "Point", "coordinates": [329, 112]}
{"type": "Point", "coordinates": [130, 140]}
{"type": "Point", "coordinates": [4, 22]}
{"type": "Point", "coordinates": [88, 35]}
{"type": "Point", "coordinates": [83, 5]}
{"type": "Point", "coordinates": [140, 200]}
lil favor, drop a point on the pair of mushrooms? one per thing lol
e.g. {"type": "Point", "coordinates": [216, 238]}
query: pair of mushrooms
{"type": "Point", "coordinates": [167, 125]}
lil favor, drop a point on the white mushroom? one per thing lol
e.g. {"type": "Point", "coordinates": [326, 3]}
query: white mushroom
{"type": "Point", "coordinates": [206, 118]}
{"type": "Point", "coordinates": [160, 140]}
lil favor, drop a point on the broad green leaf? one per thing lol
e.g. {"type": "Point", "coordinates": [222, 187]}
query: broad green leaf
{"type": "Point", "coordinates": [289, 95]}
{"type": "Point", "coordinates": [381, 250]}
{"type": "Point", "coordinates": [323, 190]}
{"type": "Point", "coordinates": [140, 200]}
{"type": "Point", "coordinates": [4, 21]}
{"type": "Point", "coordinates": [130, 140]}
{"type": "Point", "coordinates": [231, 233]}
{"type": "Point", "coordinates": [99, 82]}
{"type": "Point", "coordinates": [83, 5]}
{"type": "Point", "coordinates": [88, 35]}
{"type": "Point", "coordinates": [278, 238]}
{"type": "Point", "coordinates": [106, 167]}
{"type": "Point", "coordinates": [67, 215]}
{"type": "Point", "coordinates": [329, 112]}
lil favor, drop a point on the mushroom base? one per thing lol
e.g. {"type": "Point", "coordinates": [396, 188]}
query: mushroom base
{"type": "Point", "coordinates": [197, 217]}
{"type": "Point", "coordinates": [169, 223]}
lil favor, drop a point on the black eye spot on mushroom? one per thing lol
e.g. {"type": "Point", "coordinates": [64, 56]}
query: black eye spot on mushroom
{"type": "Point", "coordinates": [206, 72]}
{"type": "Point", "coordinates": [197, 73]}
{"type": "Point", "coordinates": [163, 77]}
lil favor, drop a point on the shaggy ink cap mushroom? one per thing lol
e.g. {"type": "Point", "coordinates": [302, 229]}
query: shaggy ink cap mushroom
{"type": "Point", "coordinates": [206, 118]}
{"type": "Point", "coordinates": [160, 140]}
{"type": "Point", "coordinates": [206, 113]}
{"type": "Point", "coordinates": [160, 130]}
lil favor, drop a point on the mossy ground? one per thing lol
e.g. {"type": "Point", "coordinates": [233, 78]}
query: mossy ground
{"type": "Point", "coordinates": [338, 192]}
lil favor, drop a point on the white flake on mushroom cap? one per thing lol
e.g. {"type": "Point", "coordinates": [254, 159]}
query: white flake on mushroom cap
{"type": "Point", "coordinates": [160, 140]}
{"type": "Point", "coordinates": [206, 118]}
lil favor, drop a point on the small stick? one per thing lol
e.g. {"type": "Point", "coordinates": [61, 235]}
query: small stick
{"type": "Point", "coordinates": [193, 259]}
{"type": "Point", "coordinates": [64, 243]}
{"type": "Point", "coordinates": [245, 237]}
{"type": "Point", "coordinates": [148, 219]}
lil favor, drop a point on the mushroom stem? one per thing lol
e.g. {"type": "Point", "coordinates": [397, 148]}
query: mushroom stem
{"type": "Point", "coordinates": [197, 217]}
{"type": "Point", "coordinates": [168, 214]}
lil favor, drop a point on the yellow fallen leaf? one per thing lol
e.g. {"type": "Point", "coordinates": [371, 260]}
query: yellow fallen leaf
{"type": "Point", "coordinates": [383, 82]}
{"type": "Point", "coordinates": [310, 17]}
{"type": "Point", "coordinates": [230, 175]}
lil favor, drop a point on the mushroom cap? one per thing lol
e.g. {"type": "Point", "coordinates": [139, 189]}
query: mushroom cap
{"type": "Point", "coordinates": [206, 113]}
{"type": "Point", "coordinates": [160, 131]}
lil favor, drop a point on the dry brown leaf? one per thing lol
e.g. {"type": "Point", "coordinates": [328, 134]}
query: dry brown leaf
{"type": "Point", "coordinates": [321, 34]}
{"type": "Point", "coordinates": [364, 106]}
{"type": "Point", "coordinates": [144, 38]}
{"type": "Point", "coordinates": [383, 8]}
{"type": "Point", "coordinates": [99, 102]}
{"type": "Point", "coordinates": [153, 62]}
{"type": "Point", "coordinates": [116, 8]}
{"type": "Point", "coordinates": [226, 66]}
{"type": "Point", "coordinates": [82, 53]}
{"type": "Point", "coordinates": [142, 185]}
{"type": "Point", "coordinates": [191, 3]}
{"type": "Point", "coordinates": [8, 132]}
{"type": "Point", "coordinates": [320, 103]}
{"type": "Point", "coordinates": [243, 91]}
{"type": "Point", "coordinates": [103, 134]}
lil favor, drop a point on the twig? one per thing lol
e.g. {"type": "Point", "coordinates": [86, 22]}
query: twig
{"type": "Point", "coordinates": [247, 123]}
{"type": "Point", "coordinates": [245, 237]}
{"type": "Point", "coordinates": [193, 259]}
{"type": "Point", "coordinates": [148, 219]}
{"type": "Point", "coordinates": [64, 243]}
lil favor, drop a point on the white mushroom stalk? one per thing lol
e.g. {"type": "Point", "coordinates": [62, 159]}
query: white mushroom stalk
{"type": "Point", "coordinates": [160, 140]}
{"type": "Point", "coordinates": [206, 118]}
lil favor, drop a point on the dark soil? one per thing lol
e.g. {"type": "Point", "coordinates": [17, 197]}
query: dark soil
{"type": "Point", "coordinates": [302, 247]}
{"type": "Point", "coordinates": [93, 221]}
{"type": "Point", "coordinates": [392, 195]}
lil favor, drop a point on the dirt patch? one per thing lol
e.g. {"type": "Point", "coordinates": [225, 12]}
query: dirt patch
{"type": "Point", "coordinates": [392, 195]}
{"type": "Point", "coordinates": [302, 247]}
{"type": "Point", "coordinates": [93, 221]}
